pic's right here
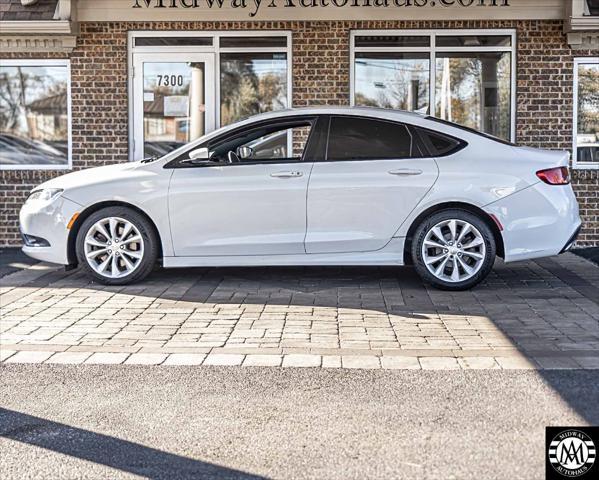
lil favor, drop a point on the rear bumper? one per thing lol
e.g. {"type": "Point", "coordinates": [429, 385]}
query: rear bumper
{"type": "Point", "coordinates": [539, 221]}
{"type": "Point", "coordinates": [571, 240]}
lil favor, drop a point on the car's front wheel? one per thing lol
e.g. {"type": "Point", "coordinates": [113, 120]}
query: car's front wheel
{"type": "Point", "coordinates": [117, 246]}
{"type": "Point", "coordinates": [453, 250]}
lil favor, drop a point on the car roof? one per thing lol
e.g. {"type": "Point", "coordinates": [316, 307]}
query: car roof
{"type": "Point", "coordinates": [375, 112]}
{"type": "Point", "coordinates": [338, 110]}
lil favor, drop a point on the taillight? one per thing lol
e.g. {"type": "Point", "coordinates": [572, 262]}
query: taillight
{"type": "Point", "coordinates": [555, 176]}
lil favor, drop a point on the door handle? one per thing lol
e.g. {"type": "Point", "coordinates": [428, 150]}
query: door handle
{"type": "Point", "coordinates": [405, 171]}
{"type": "Point", "coordinates": [286, 174]}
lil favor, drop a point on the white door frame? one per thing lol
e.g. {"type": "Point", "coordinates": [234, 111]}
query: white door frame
{"type": "Point", "coordinates": [137, 78]}
{"type": "Point", "coordinates": [212, 47]}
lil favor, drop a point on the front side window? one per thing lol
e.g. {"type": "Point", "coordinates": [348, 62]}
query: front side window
{"type": "Point", "coordinates": [34, 114]}
{"type": "Point", "coordinates": [464, 78]}
{"type": "Point", "coordinates": [352, 138]}
{"type": "Point", "coordinates": [586, 113]}
{"type": "Point", "coordinates": [269, 143]}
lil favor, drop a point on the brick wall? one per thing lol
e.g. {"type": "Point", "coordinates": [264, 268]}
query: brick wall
{"type": "Point", "coordinates": [320, 76]}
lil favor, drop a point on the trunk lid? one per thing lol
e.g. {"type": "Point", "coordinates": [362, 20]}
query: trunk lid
{"type": "Point", "coordinates": [542, 159]}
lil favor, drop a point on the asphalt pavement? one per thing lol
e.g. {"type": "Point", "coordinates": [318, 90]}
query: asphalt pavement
{"type": "Point", "coordinates": [97, 422]}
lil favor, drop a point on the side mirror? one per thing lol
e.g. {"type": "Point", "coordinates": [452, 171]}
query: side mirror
{"type": "Point", "coordinates": [199, 154]}
{"type": "Point", "coordinates": [245, 152]}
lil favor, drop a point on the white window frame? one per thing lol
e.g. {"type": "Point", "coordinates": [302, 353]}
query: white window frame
{"type": "Point", "coordinates": [575, 163]}
{"type": "Point", "coordinates": [216, 49]}
{"type": "Point", "coordinates": [48, 63]}
{"type": "Point", "coordinates": [432, 50]}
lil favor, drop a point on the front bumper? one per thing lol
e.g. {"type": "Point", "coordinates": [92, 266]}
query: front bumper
{"type": "Point", "coordinates": [48, 221]}
{"type": "Point", "coordinates": [539, 221]}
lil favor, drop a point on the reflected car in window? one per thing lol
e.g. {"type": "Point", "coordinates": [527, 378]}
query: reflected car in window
{"type": "Point", "coordinates": [588, 153]}
{"type": "Point", "coordinates": [21, 151]}
{"type": "Point", "coordinates": [314, 186]}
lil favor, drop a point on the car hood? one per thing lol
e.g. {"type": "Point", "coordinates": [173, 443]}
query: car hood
{"type": "Point", "coordinates": [91, 176]}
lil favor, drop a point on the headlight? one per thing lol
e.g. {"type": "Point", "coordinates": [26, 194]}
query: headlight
{"type": "Point", "coordinates": [44, 194]}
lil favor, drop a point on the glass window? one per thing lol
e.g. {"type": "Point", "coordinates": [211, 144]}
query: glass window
{"type": "Point", "coordinates": [473, 40]}
{"type": "Point", "coordinates": [392, 41]}
{"type": "Point", "coordinates": [392, 80]}
{"type": "Point", "coordinates": [586, 139]}
{"type": "Point", "coordinates": [593, 7]}
{"type": "Point", "coordinates": [352, 138]}
{"type": "Point", "coordinates": [174, 105]}
{"type": "Point", "coordinates": [438, 144]}
{"type": "Point", "coordinates": [252, 41]}
{"type": "Point", "coordinates": [251, 83]}
{"type": "Point", "coordinates": [173, 41]}
{"type": "Point", "coordinates": [268, 143]}
{"type": "Point", "coordinates": [34, 115]}
{"type": "Point", "coordinates": [474, 90]}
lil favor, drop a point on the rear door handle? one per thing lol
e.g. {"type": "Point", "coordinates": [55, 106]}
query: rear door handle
{"type": "Point", "coordinates": [286, 174]}
{"type": "Point", "coordinates": [405, 171]}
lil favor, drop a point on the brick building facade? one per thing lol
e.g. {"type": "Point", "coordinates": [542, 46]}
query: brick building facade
{"type": "Point", "coordinates": [320, 73]}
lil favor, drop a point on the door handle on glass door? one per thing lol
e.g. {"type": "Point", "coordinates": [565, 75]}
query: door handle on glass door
{"type": "Point", "coordinates": [405, 171]}
{"type": "Point", "coordinates": [286, 174]}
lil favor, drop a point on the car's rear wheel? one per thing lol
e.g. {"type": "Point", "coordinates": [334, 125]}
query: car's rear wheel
{"type": "Point", "coordinates": [453, 250]}
{"type": "Point", "coordinates": [117, 246]}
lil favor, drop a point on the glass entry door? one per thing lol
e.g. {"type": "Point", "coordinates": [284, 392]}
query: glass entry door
{"type": "Point", "coordinates": [173, 101]}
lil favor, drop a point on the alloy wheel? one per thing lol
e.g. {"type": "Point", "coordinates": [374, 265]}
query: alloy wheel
{"type": "Point", "coordinates": [113, 247]}
{"type": "Point", "coordinates": [453, 250]}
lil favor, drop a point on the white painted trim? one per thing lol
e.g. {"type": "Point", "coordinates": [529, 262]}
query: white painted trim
{"type": "Point", "coordinates": [578, 18]}
{"type": "Point", "coordinates": [48, 63]}
{"type": "Point", "coordinates": [433, 49]}
{"type": "Point", "coordinates": [215, 48]}
{"type": "Point", "coordinates": [432, 81]}
{"type": "Point", "coordinates": [583, 24]}
{"type": "Point", "coordinates": [27, 27]}
{"type": "Point", "coordinates": [575, 164]}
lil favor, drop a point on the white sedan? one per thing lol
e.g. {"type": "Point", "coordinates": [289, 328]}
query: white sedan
{"type": "Point", "coordinates": [316, 186]}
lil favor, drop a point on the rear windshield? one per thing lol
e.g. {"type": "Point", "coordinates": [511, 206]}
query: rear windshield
{"type": "Point", "coordinates": [471, 130]}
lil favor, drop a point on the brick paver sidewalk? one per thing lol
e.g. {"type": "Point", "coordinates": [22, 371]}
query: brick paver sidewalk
{"type": "Point", "coordinates": [541, 314]}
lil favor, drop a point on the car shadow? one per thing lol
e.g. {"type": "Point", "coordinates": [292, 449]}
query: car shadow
{"type": "Point", "coordinates": [110, 451]}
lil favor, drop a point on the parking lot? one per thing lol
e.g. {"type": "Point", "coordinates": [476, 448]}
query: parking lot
{"type": "Point", "coordinates": [534, 315]}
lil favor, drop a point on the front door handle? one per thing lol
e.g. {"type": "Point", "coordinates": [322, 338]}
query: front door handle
{"type": "Point", "coordinates": [405, 171]}
{"type": "Point", "coordinates": [286, 174]}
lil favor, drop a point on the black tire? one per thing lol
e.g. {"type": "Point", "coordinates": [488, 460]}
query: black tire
{"type": "Point", "coordinates": [147, 232]}
{"type": "Point", "coordinates": [436, 218]}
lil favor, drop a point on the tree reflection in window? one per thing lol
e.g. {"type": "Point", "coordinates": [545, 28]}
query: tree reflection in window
{"type": "Point", "coordinates": [252, 83]}
{"type": "Point", "coordinates": [34, 123]}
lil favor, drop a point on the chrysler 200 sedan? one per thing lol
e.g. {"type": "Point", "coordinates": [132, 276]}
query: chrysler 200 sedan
{"type": "Point", "coordinates": [316, 186]}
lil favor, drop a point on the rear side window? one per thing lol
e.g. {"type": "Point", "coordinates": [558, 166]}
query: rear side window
{"type": "Point", "coordinates": [437, 143]}
{"type": "Point", "coordinates": [352, 138]}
